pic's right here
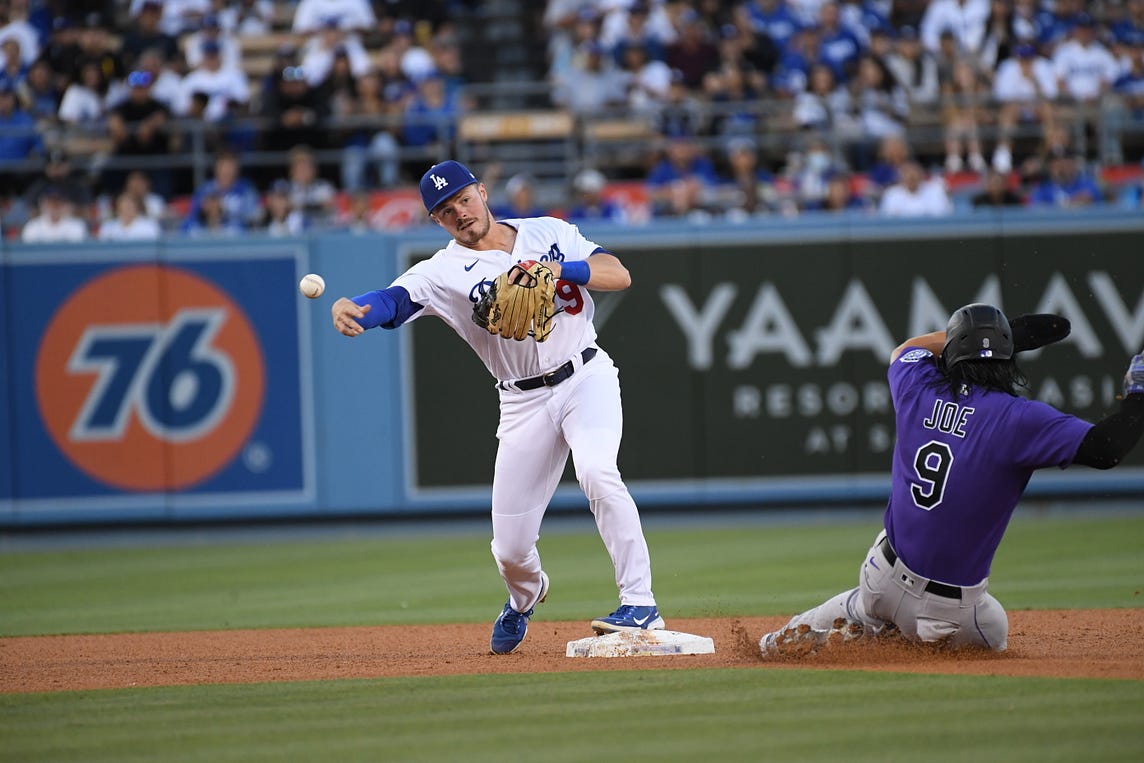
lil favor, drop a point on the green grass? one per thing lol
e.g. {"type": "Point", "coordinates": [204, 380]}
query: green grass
{"type": "Point", "coordinates": [757, 569]}
{"type": "Point", "coordinates": [726, 715]}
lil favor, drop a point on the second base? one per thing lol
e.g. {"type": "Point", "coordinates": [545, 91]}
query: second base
{"type": "Point", "coordinates": [641, 644]}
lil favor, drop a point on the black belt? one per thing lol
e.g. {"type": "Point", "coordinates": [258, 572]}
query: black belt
{"type": "Point", "coordinates": [934, 587]}
{"type": "Point", "coordinates": [552, 378]}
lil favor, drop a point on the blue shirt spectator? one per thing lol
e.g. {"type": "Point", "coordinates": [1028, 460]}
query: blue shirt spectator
{"type": "Point", "coordinates": [838, 47]}
{"type": "Point", "coordinates": [18, 136]}
{"type": "Point", "coordinates": [431, 114]}
{"type": "Point", "coordinates": [774, 19]}
{"type": "Point", "coordinates": [1066, 185]}
{"type": "Point", "coordinates": [1130, 31]}
{"type": "Point", "coordinates": [591, 204]}
{"type": "Point", "coordinates": [680, 182]}
{"type": "Point", "coordinates": [237, 200]}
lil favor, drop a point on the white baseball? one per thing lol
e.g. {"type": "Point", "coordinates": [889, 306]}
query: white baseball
{"type": "Point", "coordinates": [312, 285]}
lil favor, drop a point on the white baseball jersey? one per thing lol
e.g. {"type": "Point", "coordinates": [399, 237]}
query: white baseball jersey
{"type": "Point", "coordinates": [1085, 70]}
{"type": "Point", "coordinates": [450, 282]}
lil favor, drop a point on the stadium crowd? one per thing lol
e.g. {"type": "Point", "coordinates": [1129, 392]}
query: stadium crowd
{"type": "Point", "coordinates": [895, 107]}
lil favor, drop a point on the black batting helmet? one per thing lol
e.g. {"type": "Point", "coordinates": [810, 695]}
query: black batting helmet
{"type": "Point", "coordinates": [977, 332]}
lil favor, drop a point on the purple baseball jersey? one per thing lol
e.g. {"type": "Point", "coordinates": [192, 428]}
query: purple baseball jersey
{"type": "Point", "coordinates": [960, 467]}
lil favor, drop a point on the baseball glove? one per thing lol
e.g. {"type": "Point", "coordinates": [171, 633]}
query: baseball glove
{"type": "Point", "coordinates": [521, 300]}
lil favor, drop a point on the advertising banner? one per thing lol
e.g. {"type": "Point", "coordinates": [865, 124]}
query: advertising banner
{"type": "Point", "coordinates": [149, 380]}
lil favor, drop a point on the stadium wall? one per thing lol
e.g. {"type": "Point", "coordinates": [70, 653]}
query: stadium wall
{"type": "Point", "coordinates": [188, 380]}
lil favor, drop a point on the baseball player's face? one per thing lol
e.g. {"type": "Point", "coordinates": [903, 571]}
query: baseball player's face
{"type": "Point", "coordinates": [465, 215]}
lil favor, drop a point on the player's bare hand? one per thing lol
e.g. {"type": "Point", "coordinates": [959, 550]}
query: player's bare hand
{"type": "Point", "coordinates": [346, 312]}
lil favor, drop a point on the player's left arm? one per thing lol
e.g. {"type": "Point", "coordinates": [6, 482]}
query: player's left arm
{"type": "Point", "coordinates": [1114, 436]}
{"type": "Point", "coordinates": [934, 342]}
{"type": "Point", "coordinates": [603, 271]}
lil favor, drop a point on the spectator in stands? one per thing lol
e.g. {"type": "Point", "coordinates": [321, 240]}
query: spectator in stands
{"type": "Point", "coordinates": [225, 203]}
{"type": "Point", "coordinates": [893, 153]}
{"type": "Point", "coordinates": [964, 107]}
{"type": "Point", "coordinates": [520, 199]}
{"type": "Point", "coordinates": [1025, 86]}
{"type": "Point", "coordinates": [431, 114]}
{"type": "Point", "coordinates": [966, 18]}
{"type": "Point", "coordinates": [179, 16]}
{"type": "Point", "coordinates": [416, 61]}
{"type": "Point", "coordinates": [564, 47]}
{"type": "Point", "coordinates": [774, 19]}
{"type": "Point", "coordinates": [20, 29]}
{"type": "Point", "coordinates": [915, 195]}
{"type": "Point", "coordinates": [1129, 86]}
{"type": "Point", "coordinates": [1057, 20]}
{"type": "Point", "coordinates": [312, 196]}
{"type": "Point", "coordinates": [98, 45]}
{"type": "Point", "coordinates": [339, 87]}
{"type": "Point", "coordinates": [145, 34]}
{"type": "Point", "coordinates": [793, 71]}
{"type": "Point", "coordinates": [139, 126]}
{"type": "Point", "coordinates": [62, 50]}
{"type": "Point", "coordinates": [166, 84]}
{"type": "Point", "coordinates": [1085, 69]}
{"type": "Point", "coordinates": [809, 170]}
{"type": "Point", "coordinates": [751, 187]}
{"type": "Point", "coordinates": [297, 110]}
{"type": "Point", "coordinates": [882, 107]}
{"type": "Point", "coordinates": [372, 148]}
{"type": "Point", "coordinates": [13, 70]}
{"type": "Point", "coordinates": [329, 44]}
{"type": "Point", "coordinates": [227, 91]}
{"type": "Point", "coordinates": [355, 16]}
{"type": "Point", "coordinates": [997, 192]}
{"type": "Point", "coordinates": [866, 20]}
{"type": "Point", "coordinates": [825, 105]}
{"type": "Point", "coordinates": [1066, 186]}
{"type": "Point", "coordinates": [681, 182]}
{"type": "Point", "coordinates": [731, 90]}
{"type": "Point", "coordinates": [129, 223]}
{"type": "Point", "coordinates": [684, 113]}
{"type": "Point", "coordinates": [694, 53]}
{"type": "Point", "coordinates": [1130, 29]}
{"type": "Point", "coordinates": [138, 185]}
{"type": "Point", "coordinates": [841, 196]}
{"type": "Point", "coordinates": [638, 24]}
{"type": "Point", "coordinates": [590, 203]}
{"type": "Point", "coordinates": [210, 31]}
{"type": "Point", "coordinates": [749, 51]}
{"type": "Point", "coordinates": [283, 218]}
{"type": "Point", "coordinates": [647, 80]}
{"type": "Point", "coordinates": [838, 46]}
{"type": "Point", "coordinates": [1000, 37]}
{"type": "Point", "coordinates": [60, 175]}
{"type": "Point", "coordinates": [55, 222]}
{"type": "Point", "coordinates": [592, 85]}
{"type": "Point", "coordinates": [39, 95]}
{"type": "Point", "coordinates": [84, 102]}
{"type": "Point", "coordinates": [358, 216]}
{"type": "Point", "coordinates": [1056, 140]}
{"type": "Point", "coordinates": [914, 68]}
{"type": "Point", "coordinates": [248, 18]}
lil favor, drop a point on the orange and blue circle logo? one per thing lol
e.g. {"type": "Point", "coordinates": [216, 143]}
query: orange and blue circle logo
{"type": "Point", "coordinates": [150, 378]}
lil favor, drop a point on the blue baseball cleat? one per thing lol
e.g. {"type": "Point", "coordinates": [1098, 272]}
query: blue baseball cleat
{"type": "Point", "coordinates": [629, 618]}
{"type": "Point", "coordinates": [511, 626]}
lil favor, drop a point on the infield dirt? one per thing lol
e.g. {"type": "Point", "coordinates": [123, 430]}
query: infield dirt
{"type": "Point", "coordinates": [1060, 643]}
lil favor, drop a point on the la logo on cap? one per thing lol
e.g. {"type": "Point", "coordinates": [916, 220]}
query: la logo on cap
{"type": "Point", "coordinates": [438, 182]}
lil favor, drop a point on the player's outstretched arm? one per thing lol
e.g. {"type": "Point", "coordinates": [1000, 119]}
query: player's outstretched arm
{"type": "Point", "coordinates": [602, 271]}
{"type": "Point", "coordinates": [933, 342]}
{"type": "Point", "coordinates": [1114, 436]}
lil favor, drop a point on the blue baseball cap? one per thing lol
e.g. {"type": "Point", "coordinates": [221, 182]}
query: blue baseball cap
{"type": "Point", "coordinates": [442, 181]}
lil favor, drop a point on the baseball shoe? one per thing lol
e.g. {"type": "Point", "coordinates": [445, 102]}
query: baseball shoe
{"type": "Point", "coordinates": [792, 642]}
{"type": "Point", "coordinates": [511, 626]}
{"type": "Point", "coordinates": [629, 618]}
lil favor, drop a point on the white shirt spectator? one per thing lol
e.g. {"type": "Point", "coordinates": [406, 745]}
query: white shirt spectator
{"type": "Point", "coordinates": [139, 229]}
{"type": "Point", "coordinates": [1084, 70]}
{"type": "Point", "coordinates": [1012, 84]}
{"type": "Point", "coordinates": [230, 50]}
{"type": "Point", "coordinates": [223, 87]}
{"type": "Point", "coordinates": [179, 16]}
{"type": "Point", "coordinates": [248, 19]}
{"type": "Point", "coordinates": [650, 85]}
{"type": "Point", "coordinates": [317, 59]}
{"type": "Point", "coordinates": [81, 106]}
{"type": "Point", "coordinates": [807, 10]}
{"type": "Point", "coordinates": [310, 15]}
{"type": "Point", "coordinates": [25, 34]}
{"type": "Point", "coordinates": [44, 230]}
{"type": "Point", "coordinates": [966, 18]}
{"type": "Point", "coordinates": [657, 27]}
{"type": "Point", "coordinates": [927, 199]}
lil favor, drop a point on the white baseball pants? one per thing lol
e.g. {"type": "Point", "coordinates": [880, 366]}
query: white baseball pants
{"type": "Point", "coordinates": [537, 430]}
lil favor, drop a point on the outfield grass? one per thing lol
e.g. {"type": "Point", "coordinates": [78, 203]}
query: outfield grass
{"type": "Point", "coordinates": [757, 569]}
{"type": "Point", "coordinates": [721, 715]}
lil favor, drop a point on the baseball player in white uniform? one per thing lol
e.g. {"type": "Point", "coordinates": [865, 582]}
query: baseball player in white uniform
{"type": "Point", "coordinates": [556, 396]}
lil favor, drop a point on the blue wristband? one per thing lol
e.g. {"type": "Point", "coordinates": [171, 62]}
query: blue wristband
{"type": "Point", "coordinates": [576, 271]}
